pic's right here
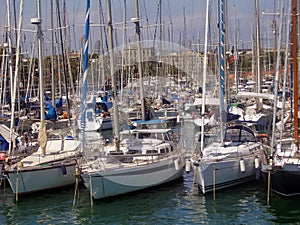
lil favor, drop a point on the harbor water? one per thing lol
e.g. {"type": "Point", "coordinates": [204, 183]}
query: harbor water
{"type": "Point", "coordinates": [174, 203]}
{"type": "Point", "coordinates": [169, 204]}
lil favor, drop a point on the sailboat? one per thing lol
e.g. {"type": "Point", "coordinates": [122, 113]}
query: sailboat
{"type": "Point", "coordinates": [229, 156]}
{"type": "Point", "coordinates": [137, 159]}
{"type": "Point", "coordinates": [282, 170]}
{"type": "Point", "coordinates": [54, 163]}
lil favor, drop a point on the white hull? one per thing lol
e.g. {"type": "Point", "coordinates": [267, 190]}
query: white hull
{"type": "Point", "coordinates": [41, 178]}
{"type": "Point", "coordinates": [222, 165]}
{"type": "Point", "coordinates": [91, 125]}
{"type": "Point", "coordinates": [38, 172]}
{"type": "Point", "coordinates": [108, 183]}
{"type": "Point", "coordinates": [218, 175]}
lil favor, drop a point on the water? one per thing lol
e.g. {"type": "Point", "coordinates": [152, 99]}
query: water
{"type": "Point", "coordinates": [175, 203]}
{"type": "Point", "coordinates": [169, 204]}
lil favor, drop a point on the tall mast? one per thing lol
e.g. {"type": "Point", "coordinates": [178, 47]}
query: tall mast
{"type": "Point", "coordinates": [222, 64]}
{"type": "Point", "coordinates": [101, 58]}
{"type": "Point", "coordinates": [42, 136]}
{"type": "Point", "coordinates": [63, 59]}
{"type": "Point", "coordinates": [274, 26]}
{"type": "Point", "coordinates": [85, 70]}
{"type": "Point", "coordinates": [204, 76]}
{"type": "Point", "coordinates": [113, 76]}
{"type": "Point", "coordinates": [40, 56]}
{"type": "Point", "coordinates": [295, 70]}
{"type": "Point", "coordinates": [222, 52]}
{"type": "Point", "coordinates": [136, 20]}
{"type": "Point", "coordinates": [123, 47]}
{"type": "Point", "coordinates": [52, 56]}
{"type": "Point", "coordinates": [14, 88]}
{"type": "Point", "coordinates": [286, 67]}
{"type": "Point", "coordinates": [276, 79]}
{"type": "Point", "coordinates": [258, 78]}
{"type": "Point", "coordinates": [9, 40]}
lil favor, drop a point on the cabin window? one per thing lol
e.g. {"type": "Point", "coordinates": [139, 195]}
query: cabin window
{"type": "Point", "coordinates": [144, 135]}
{"type": "Point", "coordinates": [151, 152]}
{"type": "Point", "coordinates": [134, 152]}
{"type": "Point", "coordinates": [164, 150]}
{"type": "Point", "coordinates": [238, 135]}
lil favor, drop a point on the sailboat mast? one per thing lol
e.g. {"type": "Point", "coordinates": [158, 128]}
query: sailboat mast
{"type": "Point", "coordinates": [276, 80]}
{"type": "Point", "coordinates": [222, 64]}
{"type": "Point", "coordinates": [63, 59]}
{"type": "Point", "coordinates": [113, 75]}
{"type": "Point", "coordinates": [42, 136]}
{"type": "Point", "coordinates": [101, 49]}
{"type": "Point", "coordinates": [123, 48]}
{"type": "Point", "coordinates": [136, 20]}
{"type": "Point", "coordinates": [14, 88]}
{"type": "Point", "coordinates": [38, 22]}
{"type": "Point", "coordinates": [286, 59]}
{"type": "Point", "coordinates": [85, 68]}
{"type": "Point", "coordinates": [9, 40]}
{"type": "Point", "coordinates": [52, 56]}
{"type": "Point", "coordinates": [222, 52]}
{"type": "Point", "coordinates": [295, 71]}
{"type": "Point", "coordinates": [204, 77]}
{"type": "Point", "coordinates": [258, 78]}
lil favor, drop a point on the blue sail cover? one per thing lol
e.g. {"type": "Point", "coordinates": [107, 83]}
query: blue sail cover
{"type": "Point", "coordinates": [51, 114]}
{"type": "Point", "coordinates": [59, 102]}
{"type": "Point", "coordinates": [3, 144]}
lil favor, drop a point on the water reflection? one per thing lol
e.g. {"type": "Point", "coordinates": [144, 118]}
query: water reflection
{"type": "Point", "coordinates": [168, 204]}
{"type": "Point", "coordinates": [286, 210]}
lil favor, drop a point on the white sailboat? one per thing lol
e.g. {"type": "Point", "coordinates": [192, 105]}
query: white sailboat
{"type": "Point", "coordinates": [138, 159]}
{"type": "Point", "coordinates": [140, 163]}
{"type": "Point", "coordinates": [41, 172]}
{"type": "Point", "coordinates": [233, 156]}
{"type": "Point", "coordinates": [54, 163]}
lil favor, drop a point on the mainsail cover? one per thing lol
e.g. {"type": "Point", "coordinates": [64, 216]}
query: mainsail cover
{"type": "Point", "coordinates": [42, 137]}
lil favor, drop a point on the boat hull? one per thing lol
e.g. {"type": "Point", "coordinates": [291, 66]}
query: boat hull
{"type": "Point", "coordinates": [109, 183]}
{"type": "Point", "coordinates": [219, 175]}
{"type": "Point", "coordinates": [41, 178]}
{"type": "Point", "coordinates": [284, 180]}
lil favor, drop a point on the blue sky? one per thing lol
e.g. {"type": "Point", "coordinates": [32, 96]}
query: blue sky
{"type": "Point", "coordinates": [240, 11]}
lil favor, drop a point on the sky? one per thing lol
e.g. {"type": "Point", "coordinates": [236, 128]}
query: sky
{"type": "Point", "coordinates": [181, 20]}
